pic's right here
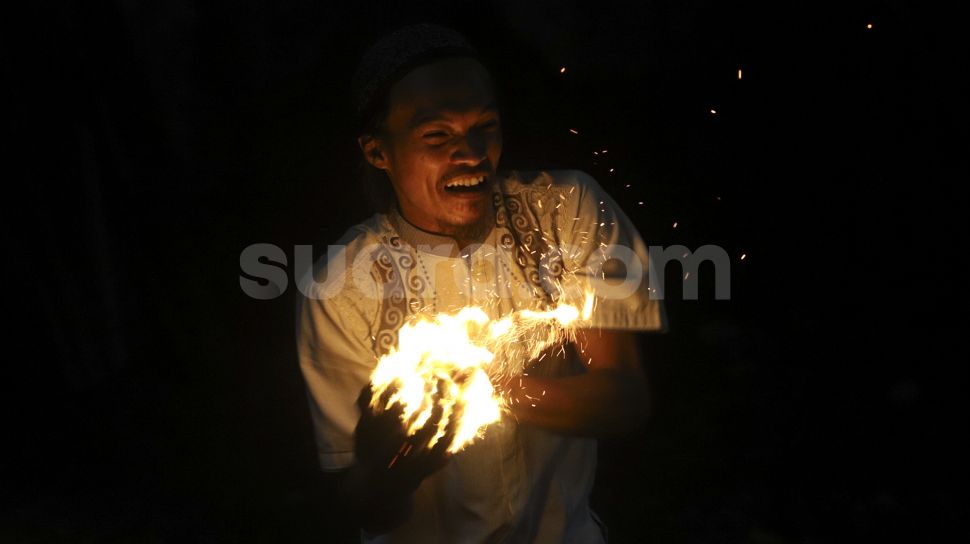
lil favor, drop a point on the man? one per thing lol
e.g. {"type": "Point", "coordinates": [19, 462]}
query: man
{"type": "Point", "coordinates": [459, 234]}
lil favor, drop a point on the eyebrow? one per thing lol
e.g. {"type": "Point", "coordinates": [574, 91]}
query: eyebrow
{"type": "Point", "coordinates": [435, 115]}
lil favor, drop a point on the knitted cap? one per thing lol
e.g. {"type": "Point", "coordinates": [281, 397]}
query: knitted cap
{"type": "Point", "coordinates": [395, 55]}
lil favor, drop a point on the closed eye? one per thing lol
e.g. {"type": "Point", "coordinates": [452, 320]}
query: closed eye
{"type": "Point", "coordinates": [435, 137]}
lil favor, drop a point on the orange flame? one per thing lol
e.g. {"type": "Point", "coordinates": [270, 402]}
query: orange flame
{"type": "Point", "coordinates": [451, 360]}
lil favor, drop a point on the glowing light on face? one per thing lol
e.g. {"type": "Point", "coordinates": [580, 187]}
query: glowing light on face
{"type": "Point", "coordinates": [453, 361]}
{"type": "Point", "coordinates": [442, 145]}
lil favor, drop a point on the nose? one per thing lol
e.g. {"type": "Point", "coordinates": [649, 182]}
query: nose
{"type": "Point", "coordinates": [469, 150]}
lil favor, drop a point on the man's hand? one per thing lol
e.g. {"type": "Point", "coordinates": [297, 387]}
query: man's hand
{"type": "Point", "coordinates": [391, 465]}
{"type": "Point", "coordinates": [381, 444]}
{"type": "Point", "coordinates": [610, 397]}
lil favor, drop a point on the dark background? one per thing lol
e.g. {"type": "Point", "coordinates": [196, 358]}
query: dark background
{"type": "Point", "coordinates": [147, 399]}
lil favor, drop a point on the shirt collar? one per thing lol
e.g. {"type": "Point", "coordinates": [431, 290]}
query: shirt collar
{"type": "Point", "coordinates": [424, 241]}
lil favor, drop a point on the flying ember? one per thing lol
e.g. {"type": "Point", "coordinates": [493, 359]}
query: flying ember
{"type": "Point", "coordinates": [454, 361]}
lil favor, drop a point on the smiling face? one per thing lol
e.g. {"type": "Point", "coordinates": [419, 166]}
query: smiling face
{"type": "Point", "coordinates": [440, 145]}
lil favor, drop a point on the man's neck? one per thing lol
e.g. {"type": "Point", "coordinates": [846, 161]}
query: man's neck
{"type": "Point", "coordinates": [463, 235]}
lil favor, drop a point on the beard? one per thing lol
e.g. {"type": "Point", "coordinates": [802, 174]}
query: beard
{"type": "Point", "coordinates": [476, 232]}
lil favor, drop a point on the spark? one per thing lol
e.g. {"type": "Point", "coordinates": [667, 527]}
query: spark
{"type": "Point", "coordinates": [574, 131]}
{"type": "Point", "coordinates": [675, 224]}
{"type": "Point", "coordinates": [743, 255]}
{"type": "Point", "coordinates": [869, 26]}
{"type": "Point", "coordinates": [713, 111]}
{"type": "Point", "coordinates": [562, 70]}
{"type": "Point", "coordinates": [611, 170]}
{"type": "Point", "coordinates": [739, 73]}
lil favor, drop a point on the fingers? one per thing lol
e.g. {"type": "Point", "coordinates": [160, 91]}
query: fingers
{"type": "Point", "coordinates": [366, 397]}
{"type": "Point", "coordinates": [387, 394]}
{"type": "Point", "coordinates": [384, 435]}
{"type": "Point", "coordinates": [363, 400]}
{"type": "Point", "coordinates": [430, 428]}
{"type": "Point", "coordinates": [379, 433]}
{"type": "Point", "coordinates": [422, 459]}
{"type": "Point", "coordinates": [440, 449]}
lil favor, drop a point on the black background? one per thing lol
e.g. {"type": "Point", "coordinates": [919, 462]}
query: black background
{"type": "Point", "coordinates": [147, 399]}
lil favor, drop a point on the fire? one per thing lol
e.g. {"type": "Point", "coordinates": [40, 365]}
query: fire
{"type": "Point", "coordinates": [454, 361]}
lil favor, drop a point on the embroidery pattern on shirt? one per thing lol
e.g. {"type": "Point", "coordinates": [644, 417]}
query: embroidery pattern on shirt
{"type": "Point", "coordinates": [531, 247]}
{"type": "Point", "coordinates": [387, 271]}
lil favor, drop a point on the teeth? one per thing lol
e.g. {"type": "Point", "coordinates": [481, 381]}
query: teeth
{"type": "Point", "coordinates": [465, 182]}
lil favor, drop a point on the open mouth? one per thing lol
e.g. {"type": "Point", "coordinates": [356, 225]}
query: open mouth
{"type": "Point", "coordinates": [466, 184]}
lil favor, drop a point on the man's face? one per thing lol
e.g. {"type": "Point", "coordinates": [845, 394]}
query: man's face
{"type": "Point", "coordinates": [441, 146]}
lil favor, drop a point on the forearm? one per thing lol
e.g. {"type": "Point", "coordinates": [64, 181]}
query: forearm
{"type": "Point", "coordinates": [596, 403]}
{"type": "Point", "coordinates": [377, 504]}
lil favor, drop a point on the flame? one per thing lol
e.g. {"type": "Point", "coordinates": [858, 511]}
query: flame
{"type": "Point", "coordinates": [453, 361]}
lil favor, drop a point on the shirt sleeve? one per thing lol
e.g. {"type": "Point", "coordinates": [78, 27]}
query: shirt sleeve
{"type": "Point", "coordinates": [607, 254]}
{"type": "Point", "coordinates": [336, 359]}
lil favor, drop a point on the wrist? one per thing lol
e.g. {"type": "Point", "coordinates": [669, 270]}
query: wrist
{"type": "Point", "coordinates": [380, 503]}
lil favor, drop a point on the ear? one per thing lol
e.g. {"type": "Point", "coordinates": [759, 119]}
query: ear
{"type": "Point", "coordinates": [373, 150]}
